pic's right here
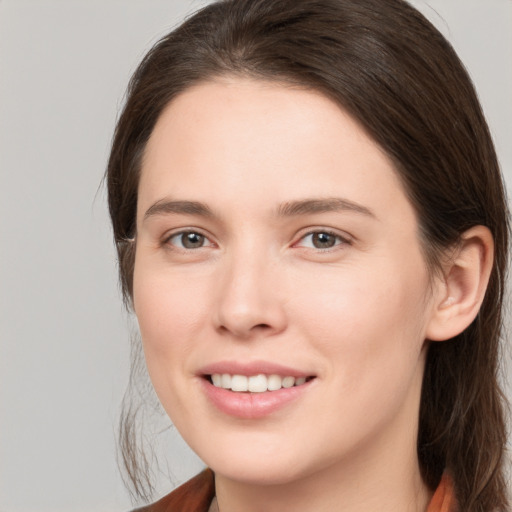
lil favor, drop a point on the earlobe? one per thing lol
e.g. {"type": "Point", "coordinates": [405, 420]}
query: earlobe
{"type": "Point", "coordinates": [465, 277]}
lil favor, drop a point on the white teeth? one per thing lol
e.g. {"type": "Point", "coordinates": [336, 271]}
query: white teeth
{"type": "Point", "coordinates": [225, 381]}
{"type": "Point", "coordinates": [288, 382]}
{"type": "Point", "coordinates": [255, 383]}
{"type": "Point", "coordinates": [239, 383]}
{"type": "Point", "coordinates": [274, 382]}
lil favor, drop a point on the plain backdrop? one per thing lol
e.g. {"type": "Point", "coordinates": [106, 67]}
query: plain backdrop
{"type": "Point", "coordinates": [64, 341]}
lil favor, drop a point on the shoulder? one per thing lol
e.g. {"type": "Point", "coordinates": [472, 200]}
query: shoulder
{"type": "Point", "coordinates": [193, 496]}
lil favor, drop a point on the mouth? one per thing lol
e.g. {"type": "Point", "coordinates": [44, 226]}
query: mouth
{"type": "Point", "coordinates": [255, 389]}
{"type": "Point", "coordinates": [259, 383]}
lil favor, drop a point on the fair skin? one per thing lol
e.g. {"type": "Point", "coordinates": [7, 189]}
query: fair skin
{"type": "Point", "coordinates": [273, 232]}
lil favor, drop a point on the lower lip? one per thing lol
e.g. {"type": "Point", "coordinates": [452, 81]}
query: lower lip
{"type": "Point", "coordinates": [252, 405]}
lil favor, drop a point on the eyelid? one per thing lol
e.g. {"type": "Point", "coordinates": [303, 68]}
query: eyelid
{"type": "Point", "coordinates": [342, 238]}
{"type": "Point", "coordinates": [166, 239]}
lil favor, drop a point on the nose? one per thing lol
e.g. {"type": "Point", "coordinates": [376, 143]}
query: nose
{"type": "Point", "coordinates": [250, 300]}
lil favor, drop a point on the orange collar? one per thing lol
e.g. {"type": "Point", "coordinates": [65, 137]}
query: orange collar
{"type": "Point", "coordinates": [444, 497]}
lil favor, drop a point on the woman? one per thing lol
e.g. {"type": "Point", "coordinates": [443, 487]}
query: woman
{"type": "Point", "coordinates": [312, 232]}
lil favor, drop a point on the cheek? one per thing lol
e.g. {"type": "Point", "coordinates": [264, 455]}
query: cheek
{"type": "Point", "coordinates": [370, 323]}
{"type": "Point", "coordinates": [170, 311]}
{"type": "Point", "coordinates": [369, 331]}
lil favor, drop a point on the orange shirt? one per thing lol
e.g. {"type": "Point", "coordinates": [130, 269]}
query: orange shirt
{"type": "Point", "coordinates": [196, 496]}
{"type": "Point", "coordinates": [444, 497]}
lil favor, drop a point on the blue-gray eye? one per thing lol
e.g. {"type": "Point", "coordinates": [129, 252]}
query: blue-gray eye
{"type": "Point", "coordinates": [321, 240]}
{"type": "Point", "coordinates": [188, 240]}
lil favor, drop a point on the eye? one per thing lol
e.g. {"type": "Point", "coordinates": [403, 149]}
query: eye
{"type": "Point", "coordinates": [189, 240]}
{"type": "Point", "coordinates": [321, 240]}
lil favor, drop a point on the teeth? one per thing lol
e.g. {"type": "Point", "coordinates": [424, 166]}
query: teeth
{"type": "Point", "coordinates": [225, 381]}
{"type": "Point", "coordinates": [239, 383]}
{"type": "Point", "coordinates": [255, 383]}
{"type": "Point", "coordinates": [274, 382]}
{"type": "Point", "coordinates": [288, 382]}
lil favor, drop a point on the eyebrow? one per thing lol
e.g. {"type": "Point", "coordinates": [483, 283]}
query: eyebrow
{"type": "Point", "coordinates": [332, 204]}
{"type": "Point", "coordinates": [287, 209]}
{"type": "Point", "coordinates": [165, 206]}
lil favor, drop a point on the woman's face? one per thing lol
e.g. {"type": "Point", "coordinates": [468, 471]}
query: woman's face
{"type": "Point", "coordinates": [276, 247]}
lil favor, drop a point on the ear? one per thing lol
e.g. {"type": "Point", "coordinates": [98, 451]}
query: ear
{"type": "Point", "coordinates": [461, 289]}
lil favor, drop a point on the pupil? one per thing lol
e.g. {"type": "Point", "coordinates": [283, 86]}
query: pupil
{"type": "Point", "coordinates": [323, 240]}
{"type": "Point", "coordinates": [192, 240]}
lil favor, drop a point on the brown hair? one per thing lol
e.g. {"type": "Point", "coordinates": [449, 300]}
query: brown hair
{"type": "Point", "coordinates": [386, 65]}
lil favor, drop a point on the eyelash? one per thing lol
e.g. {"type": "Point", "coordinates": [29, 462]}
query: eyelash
{"type": "Point", "coordinates": [339, 240]}
{"type": "Point", "coordinates": [181, 234]}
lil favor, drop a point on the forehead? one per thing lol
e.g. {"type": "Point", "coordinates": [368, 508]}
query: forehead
{"type": "Point", "coordinates": [224, 140]}
{"type": "Point", "coordinates": [235, 109]}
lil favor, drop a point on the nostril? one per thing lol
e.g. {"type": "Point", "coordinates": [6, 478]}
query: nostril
{"type": "Point", "coordinates": [245, 331]}
{"type": "Point", "coordinates": [261, 326]}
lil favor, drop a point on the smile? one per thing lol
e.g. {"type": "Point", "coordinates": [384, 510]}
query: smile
{"type": "Point", "coordinates": [255, 383]}
{"type": "Point", "coordinates": [254, 395]}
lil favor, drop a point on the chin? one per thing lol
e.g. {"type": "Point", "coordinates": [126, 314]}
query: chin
{"type": "Point", "coordinates": [262, 459]}
{"type": "Point", "coordinates": [262, 472]}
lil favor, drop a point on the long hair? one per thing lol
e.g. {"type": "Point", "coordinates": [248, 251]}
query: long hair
{"type": "Point", "coordinates": [391, 70]}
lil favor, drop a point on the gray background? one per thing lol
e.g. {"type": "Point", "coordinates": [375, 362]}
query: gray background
{"type": "Point", "coordinates": [64, 340]}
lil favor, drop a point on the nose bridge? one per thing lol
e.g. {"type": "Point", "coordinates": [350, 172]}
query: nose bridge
{"type": "Point", "coordinates": [248, 294]}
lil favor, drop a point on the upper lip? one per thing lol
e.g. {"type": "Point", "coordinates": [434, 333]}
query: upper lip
{"type": "Point", "coordinates": [252, 368]}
